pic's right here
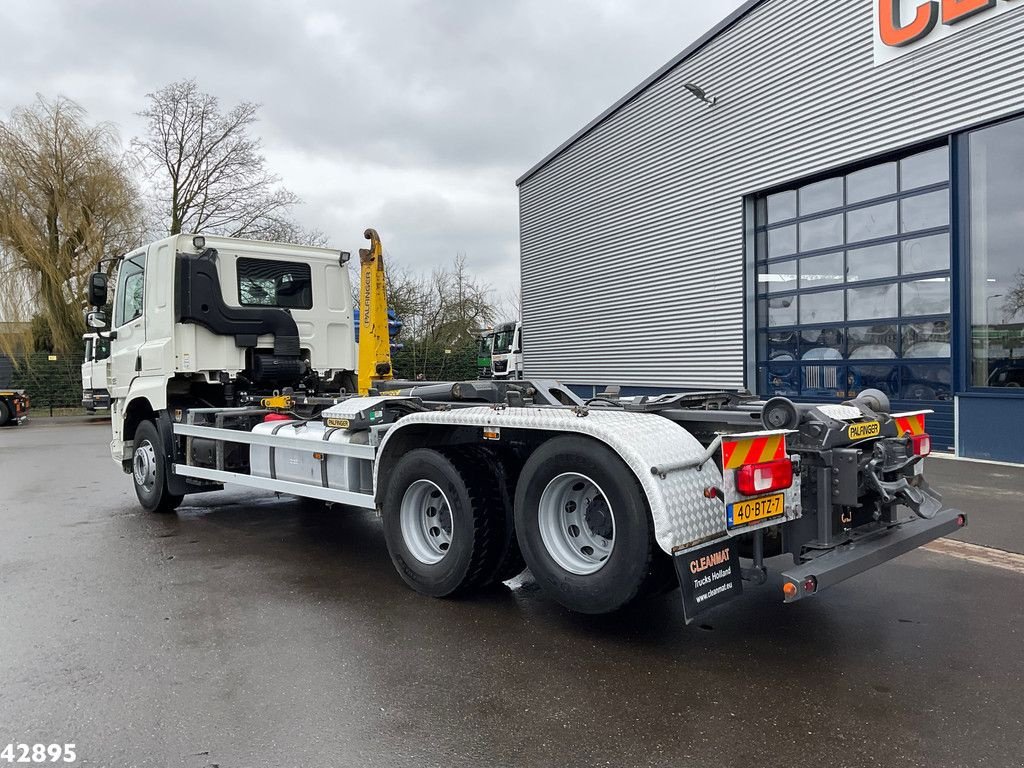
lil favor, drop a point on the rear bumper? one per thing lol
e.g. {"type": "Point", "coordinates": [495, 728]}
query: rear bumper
{"type": "Point", "coordinates": [866, 551]}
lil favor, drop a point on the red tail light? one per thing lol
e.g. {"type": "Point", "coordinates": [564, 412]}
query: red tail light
{"type": "Point", "coordinates": [922, 445]}
{"type": "Point", "coordinates": [755, 479]}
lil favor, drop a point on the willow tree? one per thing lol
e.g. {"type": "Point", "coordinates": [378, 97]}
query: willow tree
{"type": "Point", "coordinates": [66, 200]}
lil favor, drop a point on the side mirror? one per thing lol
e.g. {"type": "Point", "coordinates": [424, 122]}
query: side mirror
{"type": "Point", "coordinates": [96, 320]}
{"type": "Point", "coordinates": [97, 289]}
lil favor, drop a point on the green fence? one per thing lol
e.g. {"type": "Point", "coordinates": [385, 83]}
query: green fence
{"type": "Point", "coordinates": [435, 364]}
{"type": "Point", "coordinates": [51, 381]}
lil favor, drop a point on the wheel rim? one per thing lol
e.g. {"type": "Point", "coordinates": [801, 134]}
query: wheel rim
{"type": "Point", "coordinates": [577, 524]}
{"type": "Point", "coordinates": [426, 521]}
{"type": "Point", "coordinates": [144, 465]}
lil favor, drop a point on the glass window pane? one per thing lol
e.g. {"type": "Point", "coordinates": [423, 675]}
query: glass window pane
{"type": "Point", "coordinates": [777, 311]}
{"type": "Point", "coordinates": [924, 211]}
{"type": "Point", "coordinates": [779, 346]}
{"type": "Point", "coordinates": [996, 268]}
{"type": "Point", "coordinates": [821, 270]}
{"type": "Point", "coordinates": [871, 223]}
{"type": "Point", "coordinates": [822, 344]}
{"type": "Point", "coordinates": [926, 382]}
{"type": "Point", "coordinates": [821, 233]}
{"type": "Point", "coordinates": [876, 181]}
{"type": "Point", "coordinates": [926, 297]}
{"type": "Point", "coordinates": [777, 277]}
{"type": "Point", "coordinates": [821, 196]}
{"type": "Point", "coordinates": [823, 380]}
{"type": "Point", "coordinates": [760, 212]}
{"type": "Point", "coordinates": [871, 263]}
{"type": "Point", "coordinates": [781, 206]}
{"type": "Point", "coordinates": [925, 254]}
{"type": "Point", "coordinates": [782, 241]}
{"type": "Point", "coordinates": [883, 377]}
{"type": "Point", "coordinates": [781, 379]}
{"type": "Point", "coordinates": [824, 307]}
{"type": "Point", "coordinates": [929, 339]}
{"type": "Point", "coordinates": [871, 302]}
{"type": "Point", "coordinates": [873, 342]}
{"type": "Point", "coordinates": [931, 167]}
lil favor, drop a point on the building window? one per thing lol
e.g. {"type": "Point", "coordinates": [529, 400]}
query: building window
{"type": "Point", "coordinates": [853, 282]}
{"type": "Point", "coordinates": [996, 170]}
{"type": "Point", "coordinates": [266, 283]}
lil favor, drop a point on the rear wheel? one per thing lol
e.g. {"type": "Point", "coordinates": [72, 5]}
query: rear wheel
{"type": "Point", "coordinates": [5, 413]}
{"type": "Point", "coordinates": [584, 527]}
{"type": "Point", "coordinates": [149, 471]}
{"type": "Point", "coordinates": [439, 534]}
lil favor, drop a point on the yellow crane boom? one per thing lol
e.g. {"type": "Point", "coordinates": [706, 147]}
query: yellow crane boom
{"type": "Point", "coordinates": [374, 338]}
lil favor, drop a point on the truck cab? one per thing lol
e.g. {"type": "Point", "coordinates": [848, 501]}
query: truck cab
{"type": "Point", "coordinates": [94, 373]}
{"type": "Point", "coordinates": [203, 320]}
{"type": "Point", "coordinates": [507, 355]}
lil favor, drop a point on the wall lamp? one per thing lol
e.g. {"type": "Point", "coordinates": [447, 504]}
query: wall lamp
{"type": "Point", "coordinates": [700, 94]}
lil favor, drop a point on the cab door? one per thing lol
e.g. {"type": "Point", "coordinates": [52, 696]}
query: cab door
{"type": "Point", "coordinates": [129, 323]}
{"type": "Point", "coordinates": [87, 366]}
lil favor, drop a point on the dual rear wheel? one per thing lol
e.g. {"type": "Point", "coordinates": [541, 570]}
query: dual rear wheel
{"type": "Point", "coordinates": [581, 523]}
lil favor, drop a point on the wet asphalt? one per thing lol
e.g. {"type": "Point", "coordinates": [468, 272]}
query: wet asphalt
{"type": "Point", "coordinates": [252, 631]}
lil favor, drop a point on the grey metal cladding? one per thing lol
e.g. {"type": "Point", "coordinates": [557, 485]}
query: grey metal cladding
{"type": "Point", "coordinates": [632, 237]}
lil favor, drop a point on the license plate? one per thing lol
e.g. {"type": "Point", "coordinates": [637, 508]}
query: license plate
{"type": "Point", "coordinates": [864, 430]}
{"type": "Point", "coordinates": [755, 510]}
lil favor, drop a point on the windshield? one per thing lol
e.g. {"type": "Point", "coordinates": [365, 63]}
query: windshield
{"type": "Point", "coordinates": [503, 341]}
{"type": "Point", "coordinates": [484, 346]}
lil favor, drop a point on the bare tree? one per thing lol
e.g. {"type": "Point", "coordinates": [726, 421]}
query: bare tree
{"type": "Point", "coordinates": [438, 312]}
{"type": "Point", "coordinates": [1014, 303]}
{"type": "Point", "coordinates": [66, 200]}
{"type": "Point", "coordinates": [208, 173]}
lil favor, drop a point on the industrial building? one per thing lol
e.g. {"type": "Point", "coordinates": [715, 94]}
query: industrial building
{"type": "Point", "coordinates": [812, 199]}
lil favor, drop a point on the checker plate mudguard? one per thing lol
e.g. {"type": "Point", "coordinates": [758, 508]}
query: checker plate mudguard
{"type": "Point", "coordinates": [681, 512]}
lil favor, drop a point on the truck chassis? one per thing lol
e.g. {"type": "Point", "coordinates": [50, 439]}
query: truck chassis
{"type": "Point", "coordinates": [853, 503]}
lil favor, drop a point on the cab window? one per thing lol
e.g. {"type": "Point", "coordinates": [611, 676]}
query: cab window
{"type": "Point", "coordinates": [130, 282]}
{"type": "Point", "coordinates": [266, 283]}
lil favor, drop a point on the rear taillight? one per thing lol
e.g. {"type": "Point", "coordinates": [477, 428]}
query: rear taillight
{"type": "Point", "coordinates": [922, 445]}
{"type": "Point", "coordinates": [756, 479]}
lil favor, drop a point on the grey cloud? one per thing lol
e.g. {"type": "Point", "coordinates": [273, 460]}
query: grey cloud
{"type": "Point", "coordinates": [433, 97]}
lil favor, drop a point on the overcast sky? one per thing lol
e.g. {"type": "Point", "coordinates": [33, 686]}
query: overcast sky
{"type": "Point", "coordinates": [412, 117]}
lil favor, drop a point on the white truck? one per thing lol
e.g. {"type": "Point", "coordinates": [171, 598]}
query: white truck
{"type": "Point", "coordinates": [233, 361]}
{"type": "Point", "coordinates": [507, 351]}
{"type": "Point", "coordinates": [94, 373]}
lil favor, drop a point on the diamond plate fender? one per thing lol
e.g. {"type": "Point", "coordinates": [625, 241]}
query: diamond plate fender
{"type": "Point", "coordinates": [682, 514]}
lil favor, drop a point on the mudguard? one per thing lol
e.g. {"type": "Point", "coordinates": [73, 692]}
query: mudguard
{"type": "Point", "coordinates": [682, 515]}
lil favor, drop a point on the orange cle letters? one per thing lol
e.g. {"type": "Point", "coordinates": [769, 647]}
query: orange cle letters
{"type": "Point", "coordinates": [896, 34]}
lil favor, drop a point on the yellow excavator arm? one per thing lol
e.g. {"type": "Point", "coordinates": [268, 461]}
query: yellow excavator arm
{"type": "Point", "coordinates": [374, 338]}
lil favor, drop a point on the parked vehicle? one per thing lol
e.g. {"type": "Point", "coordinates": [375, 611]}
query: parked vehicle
{"type": "Point", "coordinates": [228, 364]}
{"type": "Point", "coordinates": [507, 354]}
{"type": "Point", "coordinates": [14, 407]}
{"type": "Point", "coordinates": [94, 373]}
{"type": "Point", "coordinates": [484, 351]}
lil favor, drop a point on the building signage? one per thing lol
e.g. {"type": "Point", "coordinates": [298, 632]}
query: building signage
{"type": "Point", "coordinates": [904, 26]}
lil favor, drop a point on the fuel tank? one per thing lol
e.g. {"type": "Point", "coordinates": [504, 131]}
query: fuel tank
{"type": "Point", "coordinates": [312, 467]}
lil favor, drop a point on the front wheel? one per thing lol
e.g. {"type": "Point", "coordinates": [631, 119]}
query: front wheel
{"type": "Point", "coordinates": [5, 413]}
{"type": "Point", "coordinates": [149, 471]}
{"type": "Point", "coordinates": [584, 527]}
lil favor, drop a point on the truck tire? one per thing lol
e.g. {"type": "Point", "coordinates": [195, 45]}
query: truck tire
{"type": "Point", "coordinates": [5, 413]}
{"type": "Point", "coordinates": [584, 527]}
{"type": "Point", "coordinates": [438, 531]}
{"type": "Point", "coordinates": [488, 480]}
{"type": "Point", "coordinates": [149, 471]}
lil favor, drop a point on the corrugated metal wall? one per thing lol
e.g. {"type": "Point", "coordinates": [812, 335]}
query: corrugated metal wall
{"type": "Point", "coordinates": [632, 239]}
